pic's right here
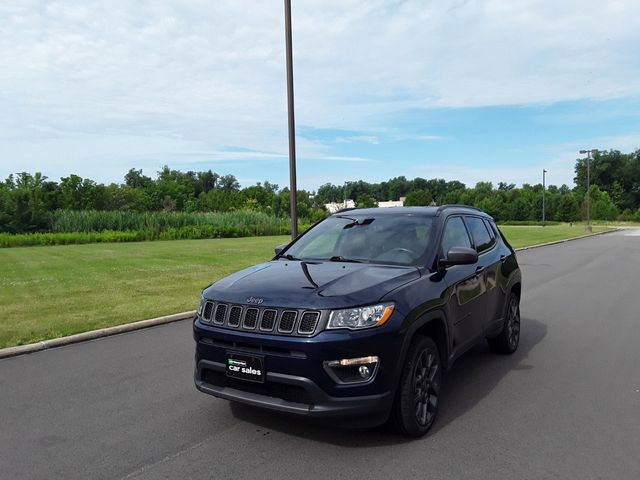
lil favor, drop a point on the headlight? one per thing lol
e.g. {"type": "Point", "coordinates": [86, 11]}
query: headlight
{"type": "Point", "coordinates": [201, 306]}
{"type": "Point", "coordinates": [361, 317]}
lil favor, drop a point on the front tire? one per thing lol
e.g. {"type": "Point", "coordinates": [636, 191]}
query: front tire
{"type": "Point", "coordinates": [509, 338]}
{"type": "Point", "coordinates": [416, 404]}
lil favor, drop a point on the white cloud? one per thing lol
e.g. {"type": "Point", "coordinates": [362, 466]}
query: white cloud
{"type": "Point", "coordinates": [207, 75]}
{"type": "Point", "coordinates": [559, 161]}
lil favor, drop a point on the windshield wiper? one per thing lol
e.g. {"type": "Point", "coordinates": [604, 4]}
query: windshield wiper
{"type": "Point", "coordinates": [357, 223]}
{"type": "Point", "coordinates": [288, 256]}
{"type": "Point", "coordinates": [340, 258]}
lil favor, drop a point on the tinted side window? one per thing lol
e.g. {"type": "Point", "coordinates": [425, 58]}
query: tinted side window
{"type": "Point", "coordinates": [482, 239]}
{"type": "Point", "coordinates": [491, 229]}
{"type": "Point", "coordinates": [455, 235]}
{"type": "Point", "coordinates": [497, 232]}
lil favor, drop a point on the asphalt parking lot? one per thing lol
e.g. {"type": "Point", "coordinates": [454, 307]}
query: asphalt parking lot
{"type": "Point", "coordinates": [566, 405]}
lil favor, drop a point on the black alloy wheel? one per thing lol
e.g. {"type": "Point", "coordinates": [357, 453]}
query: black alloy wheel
{"type": "Point", "coordinates": [509, 338]}
{"type": "Point", "coordinates": [513, 323]}
{"type": "Point", "coordinates": [416, 404]}
{"type": "Point", "coordinates": [426, 387]}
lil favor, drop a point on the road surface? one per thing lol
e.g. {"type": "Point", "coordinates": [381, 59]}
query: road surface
{"type": "Point", "coordinates": [566, 405]}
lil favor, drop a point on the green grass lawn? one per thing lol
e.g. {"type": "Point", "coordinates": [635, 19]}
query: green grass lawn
{"type": "Point", "coordinates": [525, 236]}
{"type": "Point", "coordinates": [48, 292]}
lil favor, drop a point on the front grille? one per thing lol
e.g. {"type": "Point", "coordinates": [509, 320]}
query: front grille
{"type": "Point", "coordinates": [268, 320]}
{"type": "Point", "coordinates": [282, 321]}
{"type": "Point", "coordinates": [206, 313]}
{"type": "Point", "coordinates": [250, 318]}
{"type": "Point", "coordinates": [221, 312]}
{"type": "Point", "coordinates": [289, 393]}
{"type": "Point", "coordinates": [308, 322]}
{"type": "Point", "coordinates": [287, 321]}
{"type": "Point", "coordinates": [234, 316]}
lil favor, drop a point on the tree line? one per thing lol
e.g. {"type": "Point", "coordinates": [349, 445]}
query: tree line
{"type": "Point", "coordinates": [614, 193]}
{"type": "Point", "coordinates": [28, 201]}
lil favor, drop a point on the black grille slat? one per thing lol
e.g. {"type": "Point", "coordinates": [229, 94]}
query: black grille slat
{"type": "Point", "coordinates": [234, 316]}
{"type": "Point", "coordinates": [250, 318]}
{"type": "Point", "coordinates": [287, 321]}
{"type": "Point", "coordinates": [208, 310]}
{"type": "Point", "coordinates": [281, 321]}
{"type": "Point", "coordinates": [221, 312]}
{"type": "Point", "coordinates": [268, 320]}
{"type": "Point", "coordinates": [308, 322]}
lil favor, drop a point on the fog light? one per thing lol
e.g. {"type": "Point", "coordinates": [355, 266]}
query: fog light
{"type": "Point", "coordinates": [352, 370]}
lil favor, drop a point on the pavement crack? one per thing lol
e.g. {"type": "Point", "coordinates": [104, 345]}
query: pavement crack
{"type": "Point", "coordinates": [165, 459]}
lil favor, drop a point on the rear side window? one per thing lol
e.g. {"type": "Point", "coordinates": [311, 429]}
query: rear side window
{"type": "Point", "coordinates": [482, 239]}
{"type": "Point", "coordinates": [496, 232]}
{"type": "Point", "coordinates": [491, 228]}
{"type": "Point", "coordinates": [455, 235]}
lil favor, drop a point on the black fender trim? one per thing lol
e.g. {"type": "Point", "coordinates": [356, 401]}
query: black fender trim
{"type": "Point", "coordinates": [410, 332]}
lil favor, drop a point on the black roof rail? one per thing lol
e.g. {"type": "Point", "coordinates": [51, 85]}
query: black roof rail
{"type": "Point", "coordinates": [455, 205]}
{"type": "Point", "coordinates": [345, 210]}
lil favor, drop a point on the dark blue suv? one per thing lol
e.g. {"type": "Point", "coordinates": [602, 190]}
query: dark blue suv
{"type": "Point", "coordinates": [357, 319]}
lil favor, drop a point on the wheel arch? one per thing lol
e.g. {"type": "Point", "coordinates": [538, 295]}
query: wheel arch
{"type": "Point", "coordinates": [434, 325]}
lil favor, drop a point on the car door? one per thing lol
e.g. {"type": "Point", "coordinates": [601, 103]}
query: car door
{"type": "Point", "coordinates": [484, 242]}
{"type": "Point", "coordinates": [465, 287]}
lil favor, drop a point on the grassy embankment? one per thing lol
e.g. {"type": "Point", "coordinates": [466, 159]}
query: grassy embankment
{"type": "Point", "coordinates": [48, 292]}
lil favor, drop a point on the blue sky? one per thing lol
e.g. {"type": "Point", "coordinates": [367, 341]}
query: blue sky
{"type": "Point", "coordinates": [491, 90]}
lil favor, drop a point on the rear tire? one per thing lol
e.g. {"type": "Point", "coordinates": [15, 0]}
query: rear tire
{"type": "Point", "coordinates": [509, 338]}
{"type": "Point", "coordinates": [416, 404]}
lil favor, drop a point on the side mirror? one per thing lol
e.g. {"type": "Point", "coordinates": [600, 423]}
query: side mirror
{"type": "Point", "coordinates": [280, 248]}
{"type": "Point", "coordinates": [459, 256]}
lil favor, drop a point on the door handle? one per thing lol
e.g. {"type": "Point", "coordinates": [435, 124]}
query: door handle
{"type": "Point", "coordinates": [503, 258]}
{"type": "Point", "coordinates": [479, 268]}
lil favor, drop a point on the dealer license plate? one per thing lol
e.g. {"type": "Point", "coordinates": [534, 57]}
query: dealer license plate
{"type": "Point", "coordinates": [245, 367]}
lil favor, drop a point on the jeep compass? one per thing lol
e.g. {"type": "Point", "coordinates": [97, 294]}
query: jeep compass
{"type": "Point", "coordinates": [359, 317]}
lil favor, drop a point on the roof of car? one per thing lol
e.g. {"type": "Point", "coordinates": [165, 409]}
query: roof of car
{"type": "Point", "coordinates": [423, 211]}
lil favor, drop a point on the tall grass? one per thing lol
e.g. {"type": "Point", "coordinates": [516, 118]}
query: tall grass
{"type": "Point", "coordinates": [253, 223]}
{"type": "Point", "coordinates": [75, 227]}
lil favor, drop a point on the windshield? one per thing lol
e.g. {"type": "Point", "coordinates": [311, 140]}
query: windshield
{"type": "Point", "coordinates": [398, 240]}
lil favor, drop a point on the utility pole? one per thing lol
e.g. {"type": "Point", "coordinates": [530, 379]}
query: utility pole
{"type": "Point", "coordinates": [544, 216]}
{"type": "Point", "coordinates": [293, 189]}
{"type": "Point", "coordinates": [344, 194]}
{"type": "Point", "coordinates": [593, 151]}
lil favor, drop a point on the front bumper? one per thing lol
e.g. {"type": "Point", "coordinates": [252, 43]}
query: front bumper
{"type": "Point", "coordinates": [303, 396]}
{"type": "Point", "coordinates": [296, 382]}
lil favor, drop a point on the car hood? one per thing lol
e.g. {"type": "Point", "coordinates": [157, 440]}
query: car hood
{"type": "Point", "coordinates": [317, 285]}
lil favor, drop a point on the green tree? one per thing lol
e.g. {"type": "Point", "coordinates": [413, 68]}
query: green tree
{"type": "Point", "coordinates": [418, 197]}
{"type": "Point", "coordinates": [366, 201]}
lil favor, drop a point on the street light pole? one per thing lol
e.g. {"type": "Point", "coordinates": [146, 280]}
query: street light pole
{"type": "Point", "coordinates": [544, 216]}
{"type": "Point", "coordinates": [589, 153]}
{"type": "Point", "coordinates": [293, 189]}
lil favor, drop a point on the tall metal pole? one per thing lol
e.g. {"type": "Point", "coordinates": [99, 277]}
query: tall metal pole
{"type": "Point", "coordinates": [544, 217]}
{"type": "Point", "coordinates": [293, 189]}
{"type": "Point", "coordinates": [344, 194]}
{"type": "Point", "coordinates": [589, 191]}
{"type": "Point", "coordinates": [589, 153]}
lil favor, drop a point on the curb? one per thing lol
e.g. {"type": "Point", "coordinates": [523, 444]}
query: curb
{"type": "Point", "coordinates": [130, 327]}
{"type": "Point", "coordinates": [93, 334]}
{"type": "Point", "coordinates": [556, 242]}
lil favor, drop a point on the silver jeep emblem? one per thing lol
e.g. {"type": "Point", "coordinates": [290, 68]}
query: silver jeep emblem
{"type": "Point", "coordinates": [255, 300]}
